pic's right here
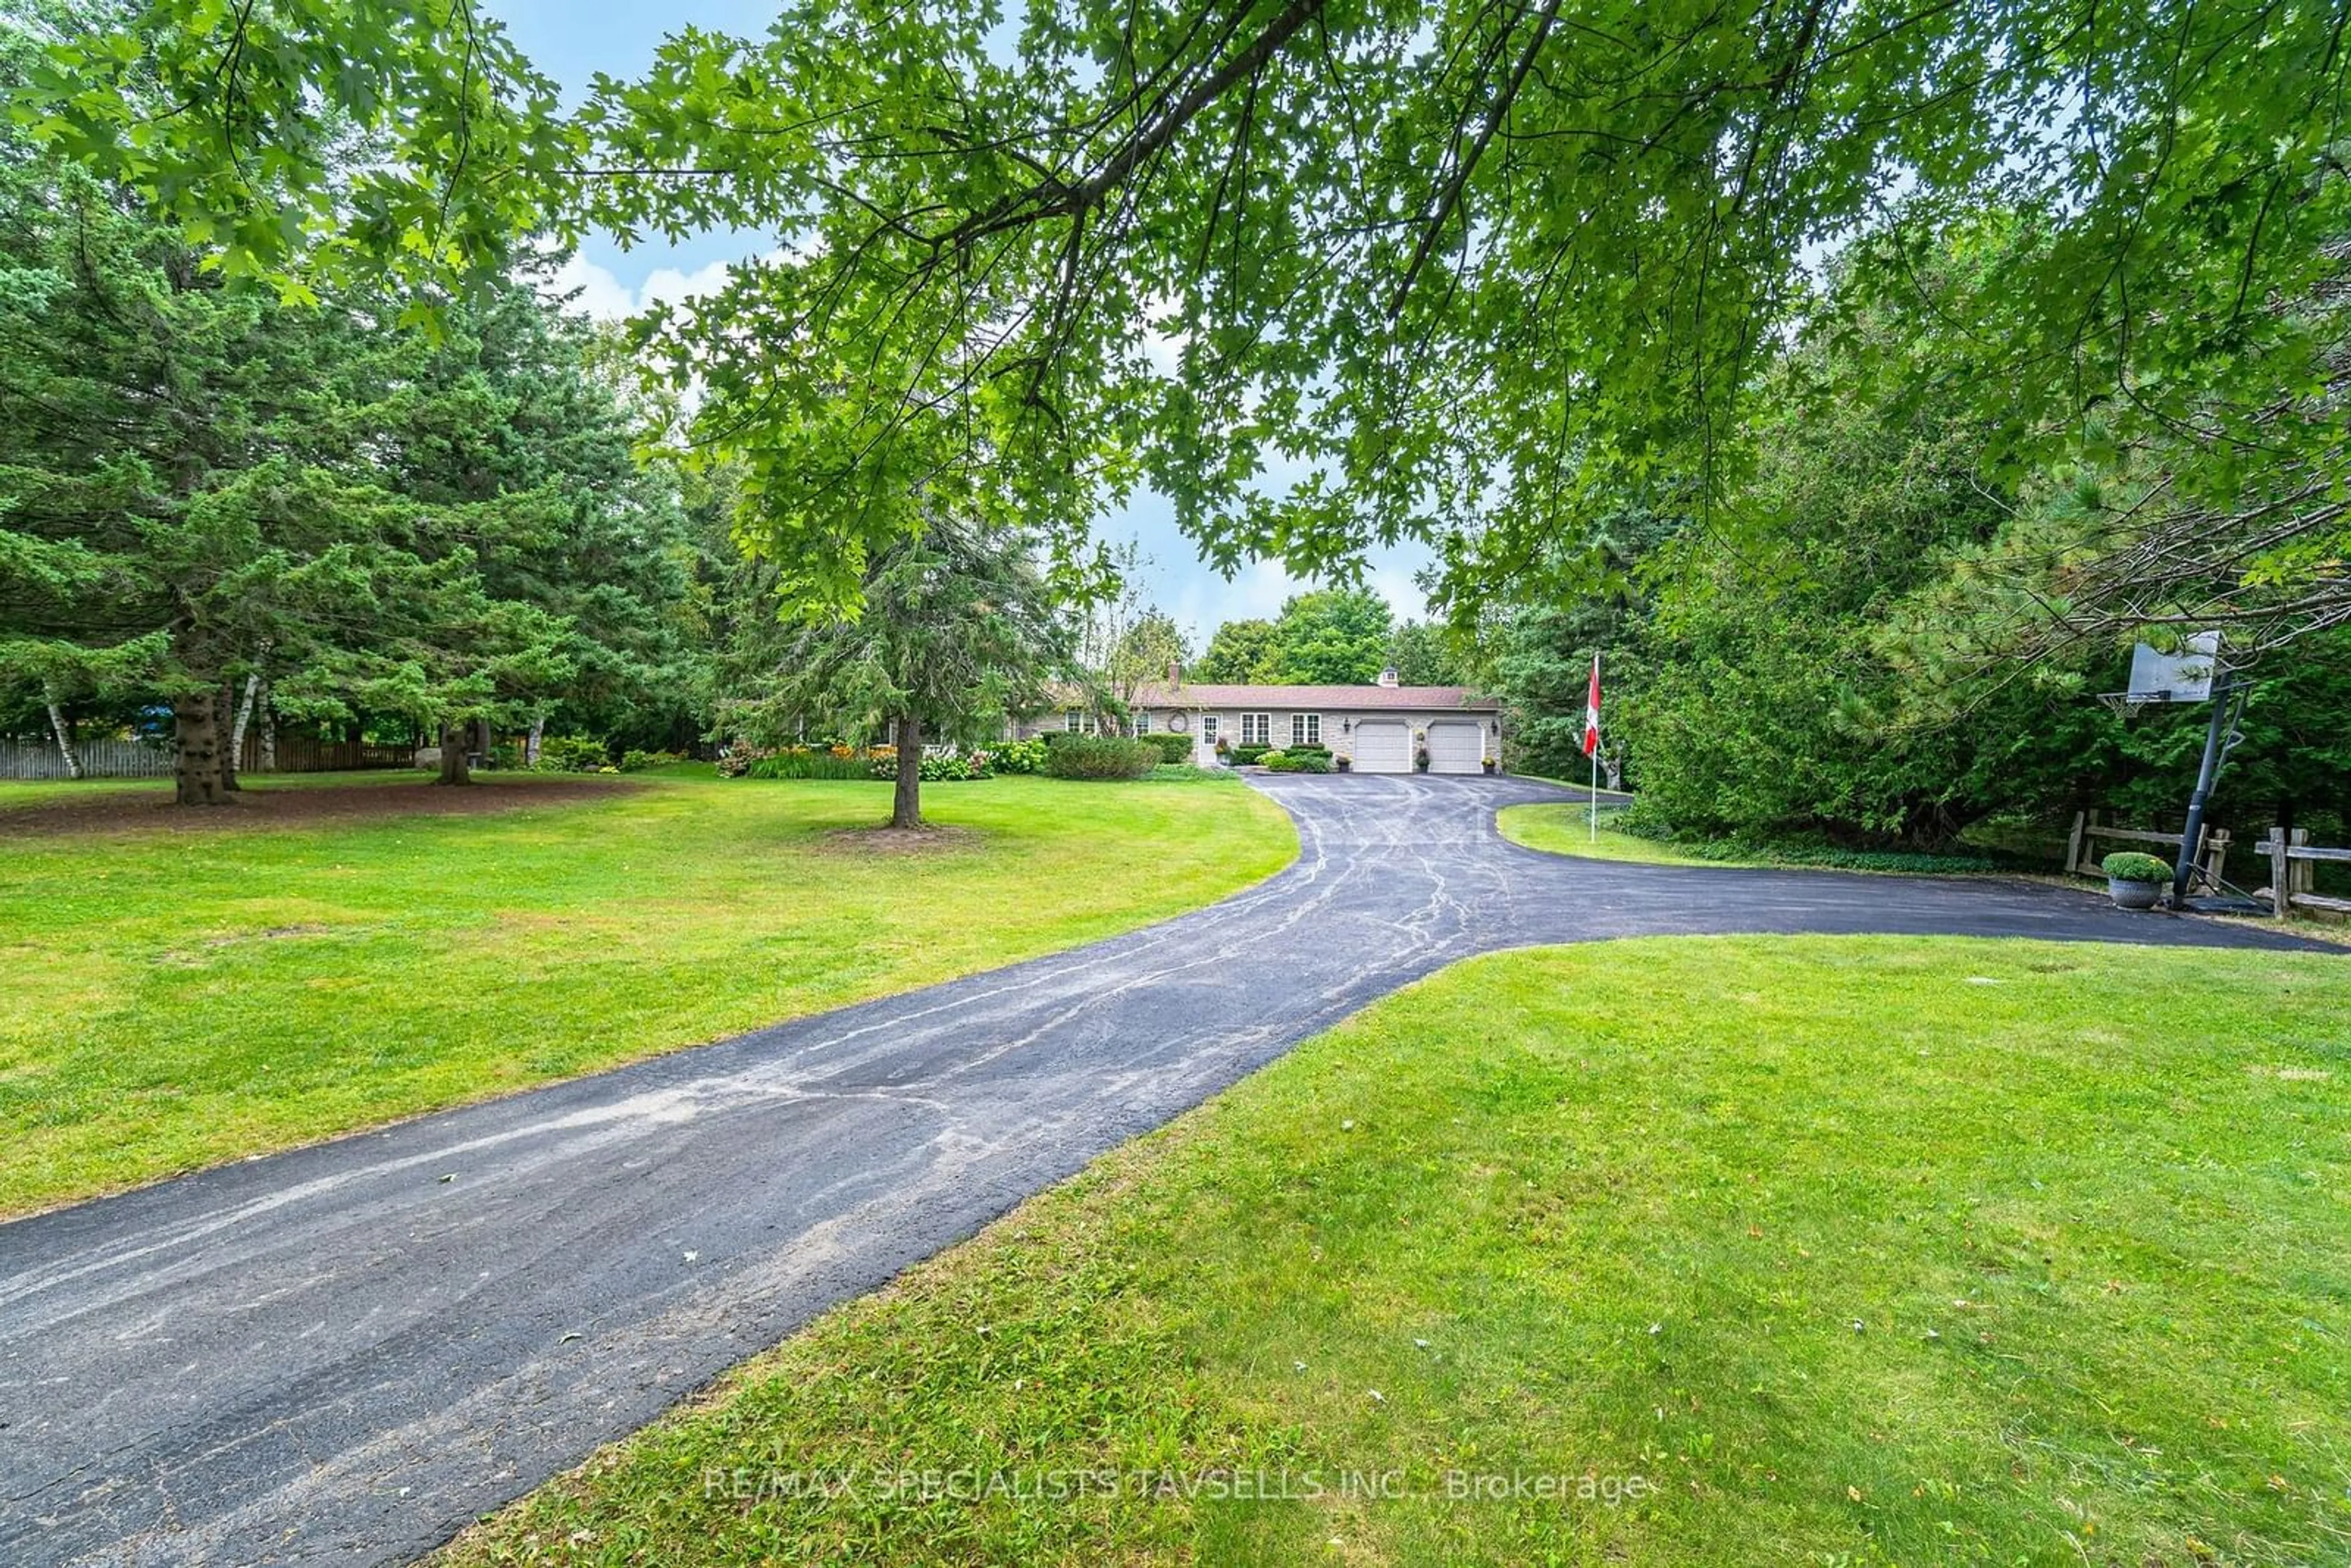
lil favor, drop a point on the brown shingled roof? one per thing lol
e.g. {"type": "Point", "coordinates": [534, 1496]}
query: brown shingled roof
{"type": "Point", "coordinates": [1159, 694]}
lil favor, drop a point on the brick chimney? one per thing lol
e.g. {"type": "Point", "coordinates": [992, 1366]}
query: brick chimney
{"type": "Point", "coordinates": [1175, 673]}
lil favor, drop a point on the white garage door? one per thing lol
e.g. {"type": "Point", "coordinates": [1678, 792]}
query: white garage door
{"type": "Point", "coordinates": [1383, 748]}
{"type": "Point", "coordinates": [1455, 747]}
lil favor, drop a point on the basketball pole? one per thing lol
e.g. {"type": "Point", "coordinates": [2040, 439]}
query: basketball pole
{"type": "Point", "coordinates": [2207, 773]}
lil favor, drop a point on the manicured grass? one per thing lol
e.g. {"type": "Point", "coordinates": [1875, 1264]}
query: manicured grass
{"type": "Point", "coordinates": [180, 998]}
{"type": "Point", "coordinates": [22, 793]}
{"type": "Point", "coordinates": [1565, 830]}
{"type": "Point", "coordinates": [17, 792]}
{"type": "Point", "coordinates": [1824, 1251]}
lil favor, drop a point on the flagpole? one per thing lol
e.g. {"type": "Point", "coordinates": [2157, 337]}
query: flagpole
{"type": "Point", "coordinates": [1592, 745]}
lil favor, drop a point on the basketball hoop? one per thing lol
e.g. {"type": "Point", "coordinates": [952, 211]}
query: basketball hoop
{"type": "Point", "coordinates": [2190, 672]}
{"type": "Point", "coordinates": [2126, 705]}
{"type": "Point", "coordinates": [2156, 676]}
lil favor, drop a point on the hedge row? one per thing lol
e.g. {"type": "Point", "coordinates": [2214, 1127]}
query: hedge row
{"type": "Point", "coordinates": [1100, 756]}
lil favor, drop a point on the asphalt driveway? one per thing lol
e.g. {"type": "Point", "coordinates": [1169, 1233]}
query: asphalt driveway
{"type": "Point", "coordinates": [343, 1353]}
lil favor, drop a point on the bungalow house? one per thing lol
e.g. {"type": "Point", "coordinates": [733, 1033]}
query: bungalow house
{"type": "Point", "coordinates": [1379, 728]}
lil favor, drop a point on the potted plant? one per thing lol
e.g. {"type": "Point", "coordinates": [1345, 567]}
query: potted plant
{"type": "Point", "coordinates": [1342, 762]}
{"type": "Point", "coordinates": [2135, 880]}
{"type": "Point", "coordinates": [1487, 763]}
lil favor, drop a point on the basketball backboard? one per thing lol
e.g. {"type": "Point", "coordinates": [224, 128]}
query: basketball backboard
{"type": "Point", "coordinates": [2183, 677]}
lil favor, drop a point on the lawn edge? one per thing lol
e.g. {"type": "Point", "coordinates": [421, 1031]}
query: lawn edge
{"type": "Point", "coordinates": [371, 1129]}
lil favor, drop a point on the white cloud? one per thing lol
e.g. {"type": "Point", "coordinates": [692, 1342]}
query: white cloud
{"type": "Point", "coordinates": [606, 298]}
{"type": "Point", "coordinates": [1202, 600]}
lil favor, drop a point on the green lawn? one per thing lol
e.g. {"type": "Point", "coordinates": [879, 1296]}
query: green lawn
{"type": "Point", "coordinates": [1565, 830]}
{"type": "Point", "coordinates": [1826, 1250]}
{"type": "Point", "coordinates": [176, 999]}
{"type": "Point", "coordinates": [17, 793]}
{"type": "Point", "coordinates": [1562, 828]}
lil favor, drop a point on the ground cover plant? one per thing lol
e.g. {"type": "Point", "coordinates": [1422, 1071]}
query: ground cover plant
{"type": "Point", "coordinates": [1856, 1251]}
{"type": "Point", "coordinates": [179, 996]}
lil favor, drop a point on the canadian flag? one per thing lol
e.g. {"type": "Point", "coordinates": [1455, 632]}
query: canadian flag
{"type": "Point", "coordinates": [1592, 711]}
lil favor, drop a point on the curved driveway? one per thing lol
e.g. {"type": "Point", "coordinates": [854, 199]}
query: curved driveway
{"type": "Point", "coordinates": [343, 1353]}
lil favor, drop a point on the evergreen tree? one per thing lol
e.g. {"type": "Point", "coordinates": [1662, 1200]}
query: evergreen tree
{"type": "Point", "coordinates": [183, 502]}
{"type": "Point", "coordinates": [958, 629]}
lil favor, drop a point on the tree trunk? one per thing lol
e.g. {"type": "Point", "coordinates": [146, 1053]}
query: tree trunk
{"type": "Point", "coordinates": [243, 717]}
{"type": "Point", "coordinates": [268, 734]}
{"type": "Point", "coordinates": [454, 737]}
{"type": "Point", "coordinates": [530, 747]}
{"type": "Point", "coordinates": [64, 741]}
{"type": "Point", "coordinates": [195, 724]}
{"type": "Point", "coordinates": [223, 705]}
{"type": "Point", "coordinates": [906, 804]}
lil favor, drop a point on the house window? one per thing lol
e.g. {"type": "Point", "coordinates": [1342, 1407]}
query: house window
{"type": "Point", "coordinates": [1072, 721]}
{"type": "Point", "coordinates": [1208, 727]}
{"type": "Point", "coordinates": [1306, 729]}
{"type": "Point", "coordinates": [1256, 730]}
{"type": "Point", "coordinates": [1142, 721]}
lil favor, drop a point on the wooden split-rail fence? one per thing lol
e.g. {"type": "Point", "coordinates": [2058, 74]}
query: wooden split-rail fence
{"type": "Point", "coordinates": [2293, 860]}
{"type": "Point", "coordinates": [2083, 854]}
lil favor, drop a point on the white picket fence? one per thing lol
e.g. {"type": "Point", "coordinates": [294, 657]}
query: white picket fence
{"type": "Point", "coordinates": [110, 757]}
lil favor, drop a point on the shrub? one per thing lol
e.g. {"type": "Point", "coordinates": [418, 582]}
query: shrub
{"type": "Point", "coordinates": [935, 768]}
{"type": "Point", "coordinates": [634, 761]}
{"type": "Point", "coordinates": [1017, 755]}
{"type": "Point", "coordinates": [1244, 755]}
{"type": "Point", "coordinates": [1173, 747]}
{"type": "Point", "coordinates": [1297, 760]}
{"type": "Point", "coordinates": [2130, 865]}
{"type": "Point", "coordinates": [1100, 757]}
{"type": "Point", "coordinates": [572, 754]}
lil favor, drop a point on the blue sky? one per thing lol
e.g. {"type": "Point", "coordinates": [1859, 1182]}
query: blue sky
{"type": "Point", "coordinates": [572, 40]}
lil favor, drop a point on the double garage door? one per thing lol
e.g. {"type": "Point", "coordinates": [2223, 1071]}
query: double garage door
{"type": "Point", "coordinates": [1384, 745]}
